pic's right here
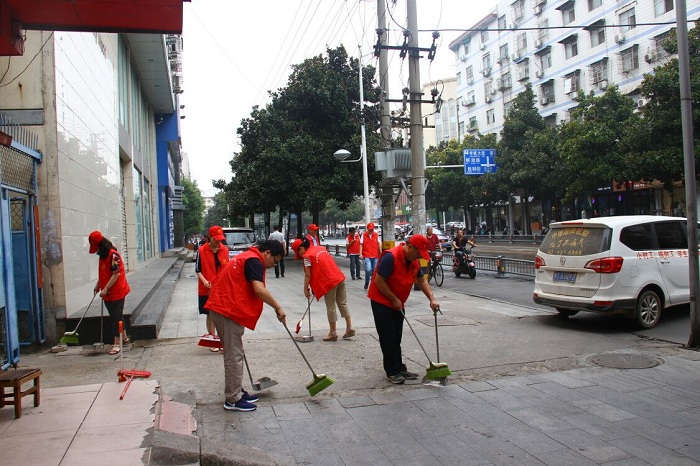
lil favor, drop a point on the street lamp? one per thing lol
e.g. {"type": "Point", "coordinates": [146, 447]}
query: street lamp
{"type": "Point", "coordinates": [342, 155]}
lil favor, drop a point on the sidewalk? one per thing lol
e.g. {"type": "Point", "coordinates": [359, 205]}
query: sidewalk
{"type": "Point", "coordinates": [519, 394]}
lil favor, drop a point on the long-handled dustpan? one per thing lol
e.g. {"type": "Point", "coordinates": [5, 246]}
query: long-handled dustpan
{"type": "Point", "coordinates": [442, 381]}
{"type": "Point", "coordinates": [71, 338]}
{"type": "Point", "coordinates": [98, 347]}
{"type": "Point", "coordinates": [261, 384]}
{"type": "Point", "coordinates": [309, 337]}
{"type": "Point", "coordinates": [435, 370]}
{"type": "Point", "coordinates": [320, 381]}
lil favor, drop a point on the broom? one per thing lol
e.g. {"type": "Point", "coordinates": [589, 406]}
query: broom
{"type": "Point", "coordinates": [122, 374]}
{"type": "Point", "coordinates": [71, 338]}
{"type": "Point", "coordinates": [320, 381]}
{"type": "Point", "coordinates": [434, 371]}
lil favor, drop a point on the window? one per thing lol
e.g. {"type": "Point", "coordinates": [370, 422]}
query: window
{"type": "Point", "coordinates": [593, 4]}
{"type": "Point", "coordinates": [628, 20]}
{"type": "Point", "coordinates": [599, 71]}
{"type": "Point", "coordinates": [524, 70]}
{"type": "Point", "coordinates": [503, 53]}
{"type": "Point", "coordinates": [546, 59]}
{"type": "Point", "coordinates": [486, 64]}
{"type": "Point", "coordinates": [502, 26]}
{"type": "Point", "coordinates": [630, 59]}
{"type": "Point", "coordinates": [637, 237]}
{"type": "Point", "coordinates": [467, 46]}
{"type": "Point", "coordinates": [671, 235]}
{"type": "Point", "coordinates": [521, 42]}
{"type": "Point", "coordinates": [662, 6]}
{"type": "Point", "coordinates": [570, 46]}
{"type": "Point", "coordinates": [659, 44]}
{"type": "Point", "coordinates": [461, 129]}
{"type": "Point", "coordinates": [472, 122]}
{"type": "Point", "coordinates": [518, 9]}
{"type": "Point", "coordinates": [470, 74]}
{"type": "Point", "coordinates": [506, 81]}
{"type": "Point", "coordinates": [572, 83]}
{"type": "Point", "coordinates": [550, 121]}
{"type": "Point", "coordinates": [490, 117]}
{"type": "Point", "coordinates": [459, 78]}
{"type": "Point", "coordinates": [471, 98]}
{"type": "Point", "coordinates": [597, 35]}
{"type": "Point", "coordinates": [568, 14]}
{"type": "Point", "coordinates": [484, 36]}
{"type": "Point", "coordinates": [507, 105]}
{"type": "Point", "coordinates": [547, 92]}
{"type": "Point", "coordinates": [488, 89]}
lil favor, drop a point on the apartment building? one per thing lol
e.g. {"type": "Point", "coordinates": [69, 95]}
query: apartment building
{"type": "Point", "coordinates": [559, 47]}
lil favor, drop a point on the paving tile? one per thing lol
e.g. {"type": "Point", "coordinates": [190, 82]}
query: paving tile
{"type": "Point", "coordinates": [627, 462]}
{"type": "Point", "coordinates": [502, 400]}
{"type": "Point", "coordinates": [383, 398]}
{"type": "Point", "coordinates": [692, 452]}
{"type": "Point", "coordinates": [597, 426]}
{"type": "Point", "coordinates": [130, 456]}
{"type": "Point", "coordinates": [565, 457]}
{"type": "Point", "coordinates": [477, 386]}
{"type": "Point", "coordinates": [421, 393]}
{"type": "Point", "coordinates": [59, 402]}
{"type": "Point", "coordinates": [667, 397]}
{"type": "Point", "coordinates": [325, 407]}
{"type": "Point", "coordinates": [450, 449]}
{"type": "Point", "coordinates": [110, 438]}
{"type": "Point", "coordinates": [403, 449]}
{"type": "Point", "coordinates": [291, 411]}
{"type": "Point", "coordinates": [607, 395]}
{"type": "Point", "coordinates": [609, 412]}
{"type": "Point", "coordinates": [506, 453]}
{"type": "Point", "coordinates": [651, 452]}
{"type": "Point", "coordinates": [443, 411]}
{"type": "Point", "coordinates": [35, 448]}
{"type": "Point", "coordinates": [70, 389]}
{"type": "Point", "coordinates": [591, 447]}
{"type": "Point", "coordinates": [541, 420]}
{"type": "Point", "coordinates": [476, 433]}
{"type": "Point", "coordinates": [355, 401]}
{"type": "Point", "coordinates": [668, 437]}
{"type": "Point", "coordinates": [486, 414]}
{"type": "Point", "coordinates": [140, 391]}
{"type": "Point", "coordinates": [528, 438]}
{"type": "Point", "coordinates": [387, 435]}
{"type": "Point", "coordinates": [561, 392]}
{"type": "Point", "coordinates": [176, 418]}
{"type": "Point", "coordinates": [364, 454]}
{"type": "Point", "coordinates": [567, 379]}
{"type": "Point", "coordinates": [114, 416]}
{"type": "Point", "coordinates": [664, 416]}
{"type": "Point", "coordinates": [46, 422]}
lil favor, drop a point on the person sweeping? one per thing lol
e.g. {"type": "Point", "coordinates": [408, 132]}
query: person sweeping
{"type": "Point", "coordinates": [323, 277]}
{"type": "Point", "coordinates": [236, 302]}
{"type": "Point", "coordinates": [397, 271]}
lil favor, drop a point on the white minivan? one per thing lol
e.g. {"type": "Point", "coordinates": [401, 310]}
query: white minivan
{"type": "Point", "coordinates": [636, 265]}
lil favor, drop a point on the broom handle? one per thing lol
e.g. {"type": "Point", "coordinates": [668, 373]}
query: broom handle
{"type": "Point", "coordinates": [437, 343]}
{"type": "Point", "coordinates": [102, 327]}
{"type": "Point", "coordinates": [414, 334]}
{"type": "Point", "coordinates": [84, 313]}
{"type": "Point", "coordinates": [297, 345]}
{"type": "Point", "coordinates": [245, 360]}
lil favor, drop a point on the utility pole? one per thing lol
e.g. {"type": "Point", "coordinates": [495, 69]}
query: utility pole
{"type": "Point", "coordinates": [416, 94]}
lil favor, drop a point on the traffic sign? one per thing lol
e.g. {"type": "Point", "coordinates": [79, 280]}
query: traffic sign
{"type": "Point", "coordinates": [479, 161]}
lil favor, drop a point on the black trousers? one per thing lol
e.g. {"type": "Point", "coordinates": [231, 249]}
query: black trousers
{"type": "Point", "coordinates": [115, 310]}
{"type": "Point", "coordinates": [279, 267]}
{"type": "Point", "coordinates": [389, 324]}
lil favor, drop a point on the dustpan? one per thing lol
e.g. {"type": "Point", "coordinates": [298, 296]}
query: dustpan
{"type": "Point", "coordinates": [262, 383]}
{"type": "Point", "coordinates": [125, 375]}
{"type": "Point", "coordinates": [210, 341]}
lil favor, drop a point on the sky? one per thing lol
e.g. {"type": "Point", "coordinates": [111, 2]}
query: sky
{"type": "Point", "coordinates": [235, 51]}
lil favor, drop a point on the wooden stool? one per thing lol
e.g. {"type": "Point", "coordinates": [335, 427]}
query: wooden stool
{"type": "Point", "coordinates": [15, 379]}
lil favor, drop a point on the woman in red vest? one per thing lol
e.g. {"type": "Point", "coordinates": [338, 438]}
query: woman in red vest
{"type": "Point", "coordinates": [369, 251]}
{"type": "Point", "coordinates": [352, 243]}
{"type": "Point", "coordinates": [211, 259]}
{"type": "Point", "coordinates": [324, 278]}
{"type": "Point", "coordinates": [397, 271]}
{"type": "Point", "coordinates": [111, 284]}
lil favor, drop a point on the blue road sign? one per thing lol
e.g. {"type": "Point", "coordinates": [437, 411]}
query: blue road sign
{"type": "Point", "coordinates": [479, 161]}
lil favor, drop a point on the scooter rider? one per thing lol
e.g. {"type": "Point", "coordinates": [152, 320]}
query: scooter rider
{"type": "Point", "coordinates": [460, 243]}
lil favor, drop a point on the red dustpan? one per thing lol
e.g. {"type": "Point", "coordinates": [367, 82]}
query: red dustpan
{"type": "Point", "coordinates": [127, 375]}
{"type": "Point", "coordinates": [210, 341]}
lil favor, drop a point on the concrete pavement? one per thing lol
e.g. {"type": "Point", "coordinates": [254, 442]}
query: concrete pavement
{"type": "Point", "coordinates": [526, 390]}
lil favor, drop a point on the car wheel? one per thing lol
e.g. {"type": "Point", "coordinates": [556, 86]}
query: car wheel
{"type": "Point", "coordinates": [566, 312]}
{"type": "Point", "coordinates": [649, 307]}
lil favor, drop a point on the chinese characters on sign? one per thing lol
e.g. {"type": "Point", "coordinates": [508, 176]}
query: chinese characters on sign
{"type": "Point", "coordinates": [479, 161]}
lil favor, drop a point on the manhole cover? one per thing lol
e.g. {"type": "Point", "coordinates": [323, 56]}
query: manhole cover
{"type": "Point", "coordinates": [625, 361]}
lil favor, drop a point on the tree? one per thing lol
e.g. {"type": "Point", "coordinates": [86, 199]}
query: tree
{"type": "Point", "coordinates": [193, 207]}
{"type": "Point", "coordinates": [218, 213]}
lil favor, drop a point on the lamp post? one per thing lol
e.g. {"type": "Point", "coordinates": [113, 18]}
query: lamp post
{"type": "Point", "coordinates": [342, 155]}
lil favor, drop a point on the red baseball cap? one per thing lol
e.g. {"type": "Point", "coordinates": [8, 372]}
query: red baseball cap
{"type": "Point", "coordinates": [297, 244]}
{"type": "Point", "coordinates": [313, 226]}
{"type": "Point", "coordinates": [94, 240]}
{"type": "Point", "coordinates": [217, 233]}
{"type": "Point", "coordinates": [420, 242]}
{"type": "Point", "coordinates": [370, 226]}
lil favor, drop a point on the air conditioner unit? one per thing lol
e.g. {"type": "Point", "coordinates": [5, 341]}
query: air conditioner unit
{"type": "Point", "coordinates": [538, 43]}
{"type": "Point", "coordinates": [639, 103]}
{"type": "Point", "coordinates": [471, 100]}
{"type": "Point", "coordinates": [523, 75]}
{"type": "Point", "coordinates": [603, 84]}
{"type": "Point", "coordinates": [650, 55]}
{"type": "Point", "coordinates": [544, 101]}
{"type": "Point", "coordinates": [470, 81]}
{"type": "Point", "coordinates": [463, 58]}
{"type": "Point", "coordinates": [486, 71]}
{"type": "Point", "coordinates": [513, 26]}
{"type": "Point", "coordinates": [488, 99]}
{"type": "Point", "coordinates": [619, 38]}
{"type": "Point", "coordinates": [538, 9]}
{"type": "Point", "coordinates": [516, 56]}
{"type": "Point", "coordinates": [539, 73]}
{"type": "Point", "coordinates": [483, 46]}
{"type": "Point", "coordinates": [494, 91]}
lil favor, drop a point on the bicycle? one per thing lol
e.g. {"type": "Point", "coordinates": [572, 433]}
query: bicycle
{"type": "Point", "coordinates": [435, 270]}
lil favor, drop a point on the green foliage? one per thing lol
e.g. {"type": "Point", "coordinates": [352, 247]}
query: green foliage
{"type": "Point", "coordinates": [194, 207]}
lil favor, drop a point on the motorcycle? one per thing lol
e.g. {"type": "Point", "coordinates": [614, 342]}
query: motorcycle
{"type": "Point", "coordinates": [463, 262]}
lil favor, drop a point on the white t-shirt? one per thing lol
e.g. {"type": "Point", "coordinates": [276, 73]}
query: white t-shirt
{"type": "Point", "coordinates": [278, 236]}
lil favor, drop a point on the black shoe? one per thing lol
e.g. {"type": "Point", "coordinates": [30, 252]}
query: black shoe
{"type": "Point", "coordinates": [366, 285]}
{"type": "Point", "coordinates": [408, 375]}
{"type": "Point", "coordinates": [282, 275]}
{"type": "Point", "coordinates": [253, 398]}
{"type": "Point", "coordinates": [396, 379]}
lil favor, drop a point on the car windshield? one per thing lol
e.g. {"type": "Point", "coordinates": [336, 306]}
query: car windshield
{"type": "Point", "coordinates": [576, 241]}
{"type": "Point", "coordinates": [240, 237]}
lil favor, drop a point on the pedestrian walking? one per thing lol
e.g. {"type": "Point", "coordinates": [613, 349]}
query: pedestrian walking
{"type": "Point", "coordinates": [352, 244]}
{"type": "Point", "coordinates": [369, 251]}
{"type": "Point", "coordinates": [278, 236]}
{"type": "Point", "coordinates": [323, 277]}
{"type": "Point", "coordinates": [398, 270]}
{"type": "Point", "coordinates": [313, 235]}
{"type": "Point", "coordinates": [236, 301]}
{"type": "Point", "coordinates": [211, 258]}
{"type": "Point", "coordinates": [111, 284]}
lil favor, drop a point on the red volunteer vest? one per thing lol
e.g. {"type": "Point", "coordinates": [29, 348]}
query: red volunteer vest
{"type": "Point", "coordinates": [355, 247]}
{"type": "Point", "coordinates": [325, 273]}
{"type": "Point", "coordinates": [232, 295]}
{"type": "Point", "coordinates": [120, 288]}
{"type": "Point", "coordinates": [208, 266]}
{"type": "Point", "coordinates": [370, 245]}
{"type": "Point", "coordinates": [400, 281]}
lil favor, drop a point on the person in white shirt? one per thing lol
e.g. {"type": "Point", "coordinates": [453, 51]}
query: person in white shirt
{"type": "Point", "coordinates": [277, 235]}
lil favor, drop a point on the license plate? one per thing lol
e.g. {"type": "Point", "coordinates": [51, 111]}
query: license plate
{"type": "Point", "coordinates": [565, 277]}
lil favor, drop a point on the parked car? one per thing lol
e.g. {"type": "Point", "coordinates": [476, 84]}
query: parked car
{"type": "Point", "coordinates": [636, 265]}
{"type": "Point", "coordinates": [445, 241]}
{"type": "Point", "coordinates": [238, 239]}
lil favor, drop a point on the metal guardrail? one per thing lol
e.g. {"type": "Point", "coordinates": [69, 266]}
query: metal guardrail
{"type": "Point", "coordinates": [501, 265]}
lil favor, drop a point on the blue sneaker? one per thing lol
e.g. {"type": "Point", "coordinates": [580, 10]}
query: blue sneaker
{"type": "Point", "coordinates": [240, 405]}
{"type": "Point", "coordinates": [248, 397]}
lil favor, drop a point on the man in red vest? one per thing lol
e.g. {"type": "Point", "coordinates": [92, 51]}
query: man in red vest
{"type": "Point", "coordinates": [323, 277]}
{"type": "Point", "coordinates": [211, 258]}
{"type": "Point", "coordinates": [352, 243]}
{"type": "Point", "coordinates": [369, 251]}
{"type": "Point", "coordinates": [398, 269]}
{"type": "Point", "coordinates": [236, 301]}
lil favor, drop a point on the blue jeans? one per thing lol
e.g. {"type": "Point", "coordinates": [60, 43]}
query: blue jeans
{"type": "Point", "coordinates": [355, 266]}
{"type": "Point", "coordinates": [370, 264]}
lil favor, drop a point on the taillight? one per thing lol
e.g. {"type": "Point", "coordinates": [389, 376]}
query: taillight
{"type": "Point", "coordinates": [605, 265]}
{"type": "Point", "coordinates": [539, 262]}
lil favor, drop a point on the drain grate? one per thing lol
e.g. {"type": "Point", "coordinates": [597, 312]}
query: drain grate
{"type": "Point", "coordinates": [625, 361]}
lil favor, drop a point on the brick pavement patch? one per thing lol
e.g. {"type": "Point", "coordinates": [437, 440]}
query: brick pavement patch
{"type": "Point", "coordinates": [625, 361]}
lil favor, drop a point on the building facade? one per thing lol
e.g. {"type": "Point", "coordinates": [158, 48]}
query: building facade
{"type": "Point", "coordinates": [559, 47]}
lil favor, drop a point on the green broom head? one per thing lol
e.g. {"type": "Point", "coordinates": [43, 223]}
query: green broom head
{"type": "Point", "coordinates": [70, 338]}
{"type": "Point", "coordinates": [318, 384]}
{"type": "Point", "coordinates": [437, 371]}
